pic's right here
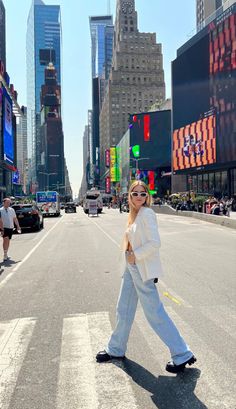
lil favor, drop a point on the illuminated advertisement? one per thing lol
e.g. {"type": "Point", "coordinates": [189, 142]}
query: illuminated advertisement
{"type": "Point", "coordinates": [107, 158]}
{"type": "Point", "coordinates": [16, 177]}
{"type": "Point", "coordinates": [195, 144]}
{"type": "Point", "coordinates": [150, 139]}
{"type": "Point", "coordinates": [149, 177]}
{"type": "Point", "coordinates": [204, 102]}
{"type": "Point", "coordinates": [114, 170]}
{"type": "Point", "coordinates": [8, 134]}
{"type": "Point", "coordinates": [108, 184]}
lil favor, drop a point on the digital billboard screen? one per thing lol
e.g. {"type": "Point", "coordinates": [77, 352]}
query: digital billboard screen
{"type": "Point", "coordinates": [151, 131]}
{"type": "Point", "coordinates": [8, 130]}
{"type": "Point", "coordinates": [195, 144]}
{"type": "Point", "coordinates": [204, 98]}
{"type": "Point", "coordinates": [16, 177]}
{"type": "Point", "coordinates": [149, 177]}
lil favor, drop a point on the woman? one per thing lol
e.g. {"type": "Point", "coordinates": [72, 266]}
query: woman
{"type": "Point", "coordinates": [142, 270]}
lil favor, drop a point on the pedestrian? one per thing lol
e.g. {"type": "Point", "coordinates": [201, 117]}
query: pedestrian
{"type": "Point", "coordinates": [142, 270]}
{"type": "Point", "coordinates": [7, 220]}
{"type": "Point", "coordinates": [120, 205]}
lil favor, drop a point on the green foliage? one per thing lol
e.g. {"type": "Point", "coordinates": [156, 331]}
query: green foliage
{"type": "Point", "coordinates": [199, 200]}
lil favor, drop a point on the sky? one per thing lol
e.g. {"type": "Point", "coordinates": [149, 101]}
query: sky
{"type": "Point", "coordinates": [173, 21]}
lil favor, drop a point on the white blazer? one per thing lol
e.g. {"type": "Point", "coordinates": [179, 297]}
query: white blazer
{"type": "Point", "coordinates": [145, 241]}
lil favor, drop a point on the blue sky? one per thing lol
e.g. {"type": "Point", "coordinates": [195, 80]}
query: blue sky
{"type": "Point", "coordinates": [172, 20]}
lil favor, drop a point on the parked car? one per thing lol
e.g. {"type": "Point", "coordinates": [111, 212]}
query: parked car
{"type": "Point", "coordinates": [29, 216]}
{"type": "Point", "coordinates": [70, 207]}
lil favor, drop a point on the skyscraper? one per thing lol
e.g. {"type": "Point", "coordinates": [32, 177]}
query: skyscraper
{"type": "Point", "coordinates": [101, 29]}
{"type": "Point", "coordinates": [43, 46]}
{"type": "Point", "coordinates": [21, 148]}
{"type": "Point", "coordinates": [206, 10]}
{"type": "Point", "coordinates": [136, 80]}
{"type": "Point", "coordinates": [102, 32]}
{"type": "Point", "coordinates": [2, 33]}
{"type": "Point", "coordinates": [52, 140]}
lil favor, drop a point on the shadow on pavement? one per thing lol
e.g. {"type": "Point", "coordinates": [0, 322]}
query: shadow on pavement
{"type": "Point", "coordinates": [172, 392]}
{"type": "Point", "coordinates": [9, 263]}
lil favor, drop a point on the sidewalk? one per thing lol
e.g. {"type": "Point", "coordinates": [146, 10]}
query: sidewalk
{"type": "Point", "coordinates": [220, 220]}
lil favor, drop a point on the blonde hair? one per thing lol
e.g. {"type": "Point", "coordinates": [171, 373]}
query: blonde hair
{"type": "Point", "coordinates": [132, 210]}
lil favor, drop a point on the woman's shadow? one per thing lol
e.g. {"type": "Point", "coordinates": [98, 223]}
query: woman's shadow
{"type": "Point", "coordinates": [168, 392]}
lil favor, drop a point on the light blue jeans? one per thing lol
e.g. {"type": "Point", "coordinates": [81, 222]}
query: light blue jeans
{"type": "Point", "coordinates": [132, 290]}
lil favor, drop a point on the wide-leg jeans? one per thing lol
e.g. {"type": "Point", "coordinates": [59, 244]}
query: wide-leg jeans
{"type": "Point", "coordinates": [133, 289]}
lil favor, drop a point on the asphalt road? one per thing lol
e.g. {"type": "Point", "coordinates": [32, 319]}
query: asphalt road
{"type": "Point", "coordinates": [58, 296]}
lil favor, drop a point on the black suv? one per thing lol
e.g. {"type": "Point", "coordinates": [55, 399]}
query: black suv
{"type": "Point", "coordinates": [29, 216]}
{"type": "Point", "coordinates": [70, 207]}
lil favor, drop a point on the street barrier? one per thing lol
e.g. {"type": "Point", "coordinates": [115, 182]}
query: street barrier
{"type": "Point", "coordinates": [220, 220]}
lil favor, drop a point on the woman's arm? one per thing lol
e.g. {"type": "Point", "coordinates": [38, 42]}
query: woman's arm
{"type": "Point", "coordinates": [151, 233]}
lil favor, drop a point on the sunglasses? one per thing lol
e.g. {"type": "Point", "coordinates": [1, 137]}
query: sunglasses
{"type": "Point", "coordinates": [141, 194]}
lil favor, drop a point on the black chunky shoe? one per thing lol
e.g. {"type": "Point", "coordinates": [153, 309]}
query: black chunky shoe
{"type": "Point", "coordinates": [103, 356]}
{"type": "Point", "coordinates": [173, 368]}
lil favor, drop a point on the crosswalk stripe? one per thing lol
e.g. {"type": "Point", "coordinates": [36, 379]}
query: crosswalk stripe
{"type": "Point", "coordinates": [15, 336]}
{"type": "Point", "coordinates": [113, 383]}
{"type": "Point", "coordinates": [214, 374]}
{"type": "Point", "coordinates": [77, 383]}
{"type": "Point", "coordinates": [83, 383]}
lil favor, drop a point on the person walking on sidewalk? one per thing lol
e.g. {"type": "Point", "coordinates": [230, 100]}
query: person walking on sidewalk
{"type": "Point", "coordinates": [7, 220]}
{"type": "Point", "coordinates": [141, 271]}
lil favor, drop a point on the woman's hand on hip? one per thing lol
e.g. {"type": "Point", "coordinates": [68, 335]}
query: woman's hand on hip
{"type": "Point", "coordinates": [130, 257]}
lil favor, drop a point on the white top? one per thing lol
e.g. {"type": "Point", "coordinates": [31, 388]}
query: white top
{"type": "Point", "coordinates": [145, 241]}
{"type": "Point", "coordinates": [7, 216]}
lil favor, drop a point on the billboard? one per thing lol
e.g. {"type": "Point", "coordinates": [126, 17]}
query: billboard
{"type": "Point", "coordinates": [151, 133]}
{"type": "Point", "coordinates": [8, 130]}
{"type": "Point", "coordinates": [16, 177]}
{"type": "Point", "coordinates": [149, 177]}
{"type": "Point", "coordinates": [194, 145]}
{"type": "Point", "coordinates": [114, 168]}
{"type": "Point", "coordinates": [204, 98]}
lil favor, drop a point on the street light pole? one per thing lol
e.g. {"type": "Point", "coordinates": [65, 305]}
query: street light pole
{"type": "Point", "coordinates": [47, 174]}
{"type": "Point", "coordinates": [136, 163]}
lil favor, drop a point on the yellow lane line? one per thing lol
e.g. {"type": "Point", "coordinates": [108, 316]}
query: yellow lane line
{"type": "Point", "coordinates": [168, 295]}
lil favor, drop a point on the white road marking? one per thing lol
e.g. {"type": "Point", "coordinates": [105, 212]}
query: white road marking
{"type": "Point", "coordinates": [83, 383]}
{"type": "Point", "coordinates": [77, 383]}
{"type": "Point", "coordinates": [8, 277]}
{"type": "Point", "coordinates": [15, 336]}
{"type": "Point", "coordinates": [104, 232]}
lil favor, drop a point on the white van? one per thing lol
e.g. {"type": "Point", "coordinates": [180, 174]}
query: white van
{"type": "Point", "coordinates": [49, 203]}
{"type": "Point", "coordinates": [93, 194]}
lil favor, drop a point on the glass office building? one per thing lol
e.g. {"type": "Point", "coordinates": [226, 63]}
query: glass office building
{"type": "Point", "coordinates": [102, 31]}
{"type": "Point", "coordinates": [43, 45]}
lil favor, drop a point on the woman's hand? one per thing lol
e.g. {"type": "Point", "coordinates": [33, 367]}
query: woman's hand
{"type": "Point", "coordinates": [130, 257]}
